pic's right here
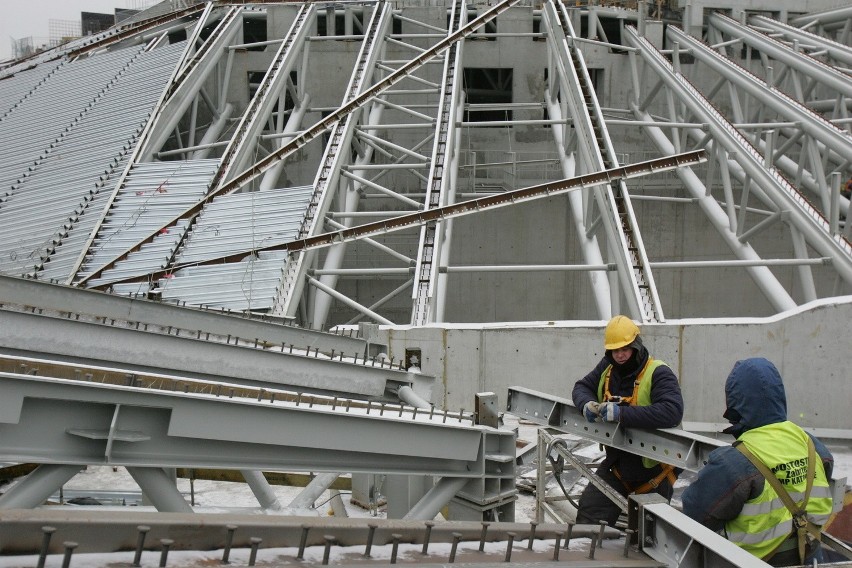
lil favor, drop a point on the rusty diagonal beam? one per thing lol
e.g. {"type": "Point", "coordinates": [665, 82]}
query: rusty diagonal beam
{"type": "Point", "coordinates": [459, 209]}
{"type": "Point", "coordinates": [314, 131]}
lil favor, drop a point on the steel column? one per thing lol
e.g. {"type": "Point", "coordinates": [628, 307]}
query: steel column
{"type": "Point", "coordinates": [261, 489]}
{"type": "Point", "coordinates": [435, 499]}
{"type": "Point", "coordinates": [160, 489]}
{"type": "Point", "coordinates": [40, 484]}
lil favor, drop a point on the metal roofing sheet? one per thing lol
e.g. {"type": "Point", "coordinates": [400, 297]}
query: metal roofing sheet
{"type": "Point", "coordinates": [48, 201]}
{"type": "Point", "coordinates": [230, 225]}
{"type": "Point", "coordinates": [152, 195]}
{"type": "Point", "coordinates": [14, 89]}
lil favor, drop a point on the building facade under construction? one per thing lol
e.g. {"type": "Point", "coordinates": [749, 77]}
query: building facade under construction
{"type": "Point", "coordinates": [396, 211]}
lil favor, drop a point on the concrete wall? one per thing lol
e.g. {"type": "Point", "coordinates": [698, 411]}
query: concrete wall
{"type": "Point", "coordinates": [534, 233]}
{"type": "Point", "coordinates": [810, 347]}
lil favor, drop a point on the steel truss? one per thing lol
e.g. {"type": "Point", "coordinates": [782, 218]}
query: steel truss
{"type": "Point", "coordinates": [152, 426]}
{"type": "Point", "coordinates": [402, 144]}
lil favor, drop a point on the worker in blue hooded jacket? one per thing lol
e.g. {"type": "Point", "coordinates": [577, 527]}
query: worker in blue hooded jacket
{"type": "Point", "coordinates": [733, 497]}
{"type": "Point", "coordinates": [632, 388]}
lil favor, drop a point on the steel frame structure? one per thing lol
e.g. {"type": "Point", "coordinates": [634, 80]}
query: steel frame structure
{"type": "Point", "coordinates": [394, 109]}
{"type": "Point", "coordinates": [389, 160]}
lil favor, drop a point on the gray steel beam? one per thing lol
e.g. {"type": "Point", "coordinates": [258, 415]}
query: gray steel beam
{"type": "Point", "coordinates": [432, 235]}
{"type": "Point", "coordinates": [320, 127]}
{"type": "Point", "coordinates": [772, 289]}
{"type": "Point", "coordinates": [38, 486]}
{"type": "Point", "coordinates": [40, 295]}
{"type": "Point", "coordinates": [837, 81]}
{"type": "Point", "coordinates": [160, 489]}
{"type": "Point", "coordinates": [98, 344]}
{"type": "Point", "coordinates": [478, 205]}
{"type": "Point", "coordinates": [674, 446]}
{"type": "Point", "coordinates": [835, 50]}
{"type": "Point", "coordinates": [436, 498]}
{"type": "Point", "coordinates": [337, 153]}
{"type": "Point", "coordinates": [56, 421]}
{"type": "Point", "coordinates": [262, 489]}
{"type": "Point", "coordinates": [675, 540]}
{"type": "Point", "coordinates": [244, 140]}
{"type": "Point", "coordinates": [782, 194]}
{"type": "Point", "coordinates": [824, 18]}
{"type": "Point", "coordinates": [811, 122]}
{"type": "Point", "coordinates": [588, 242]}
{"type": "Point", "coordinates": [597, 153]}
{"type": "Point", "coordinates": [193, 77]}
{"type": "Point", "coordinates": [312, 491]}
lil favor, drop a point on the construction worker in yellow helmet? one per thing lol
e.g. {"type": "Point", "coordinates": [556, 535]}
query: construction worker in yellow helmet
{"type": "Point", "coordinates": [632, 388]}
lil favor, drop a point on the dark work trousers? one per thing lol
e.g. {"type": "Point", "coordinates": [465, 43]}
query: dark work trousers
{"type": "Point", "coordinates": [595, 507]}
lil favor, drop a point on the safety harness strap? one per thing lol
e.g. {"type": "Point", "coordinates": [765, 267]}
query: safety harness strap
{"type": "Point", "coordinates": [666, 473]}
{"type": "Point", "coordinates": [803, 528]}
{"type": "Point", "coordinates": [634, 397]}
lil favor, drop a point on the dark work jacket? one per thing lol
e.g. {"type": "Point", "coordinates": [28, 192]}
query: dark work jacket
{"type": "Point", "coordinates": [665, 410]}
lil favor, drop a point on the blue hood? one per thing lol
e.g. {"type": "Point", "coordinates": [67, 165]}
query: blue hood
{"type": "Point", "coordinates": [754, 395]}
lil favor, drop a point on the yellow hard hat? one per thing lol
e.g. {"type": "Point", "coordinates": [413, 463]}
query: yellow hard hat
{"type": "Point", "coordinates": [620, 331]}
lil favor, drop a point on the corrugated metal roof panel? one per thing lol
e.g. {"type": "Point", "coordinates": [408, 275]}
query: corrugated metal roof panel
{"type": "Point", "coordinates": [15, 88]}
{"type": "Point", "coordinates": [247, 285]}
{"type": "Point", "coordinates": [48, 203]}
{"type": "Point", "coordinates": [245, 221]}
{"type": "Point", "coordinates": [152, 195]}
{"type": "Point", "coordinates": [230, 225]}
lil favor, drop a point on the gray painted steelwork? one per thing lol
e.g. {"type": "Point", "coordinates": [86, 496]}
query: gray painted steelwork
{"type": "Point", "coordinates": [809, 121]}
{"type": "Point", "coordinates": [674, 539]}
{"type": "Point", "coordinates": [780, 193]}
{"type": "Point", "coordinates": [439, 191]}
{"type": "Point", "coordinates": [822, 72]}
{"type": "Point", "coordinates": [674, 446]}
{"type": "Point", "coordinates": [677, 447]}
{"type": "Point", "coordinates": [91, 423]}
{"type": "Point", "coordinates": [596, 153]}
{"type": "Point", "coordinates": [206, 99]}
{"type": "Point", "coordinates": [227, 359]}
{"type": "Point", "coordinates": [32, 294]}
{"type": "Point", "coordinates": [806, 39]}
{"type": "Point", "coordinates": [494, 201]}
{"type": "Point", "coordinates": [337, 152]}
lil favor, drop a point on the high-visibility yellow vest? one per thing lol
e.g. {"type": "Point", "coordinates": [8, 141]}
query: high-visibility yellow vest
{"type": "Point", "coordinates": [764, 522]}
{"type": "Point", "coordinates": [641, 391]}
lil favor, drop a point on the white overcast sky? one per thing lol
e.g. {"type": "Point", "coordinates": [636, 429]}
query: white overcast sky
{"type": "Point", "coordinates": [24, 18]}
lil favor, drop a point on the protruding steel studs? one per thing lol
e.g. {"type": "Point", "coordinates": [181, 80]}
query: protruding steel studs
{"type": "Point", "coordinates": [229, 540]}
{"type": "Point", "coordinates": [45, 544]}
{"type": "Point", "coordinates": [456, 538]}
{"type": "Point", "coordinates": [140, 543]}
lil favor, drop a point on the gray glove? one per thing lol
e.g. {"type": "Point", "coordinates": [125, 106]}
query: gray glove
{"type": "Point", "coordinates": [592, 411]}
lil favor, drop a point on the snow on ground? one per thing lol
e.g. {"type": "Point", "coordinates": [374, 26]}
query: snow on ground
{"type": "Point", "coordinates": [218, 497]}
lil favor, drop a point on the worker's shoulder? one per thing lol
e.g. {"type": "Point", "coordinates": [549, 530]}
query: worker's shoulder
{"type": "Point", "coordinates": [663, 369]}
{"type": "Point", "coordinates": [729, 457]}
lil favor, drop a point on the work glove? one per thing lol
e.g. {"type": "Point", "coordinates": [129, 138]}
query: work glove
{"type": "Point", "coordinates": [610, 411]}
{"type": "Point", "coordinates": [591, 410]}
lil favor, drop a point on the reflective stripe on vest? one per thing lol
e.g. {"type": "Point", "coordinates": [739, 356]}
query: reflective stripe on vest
{"type": "Point", "coordinates": [764, 521]}
{"type": "Point", "coordinates": [641, 391]}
